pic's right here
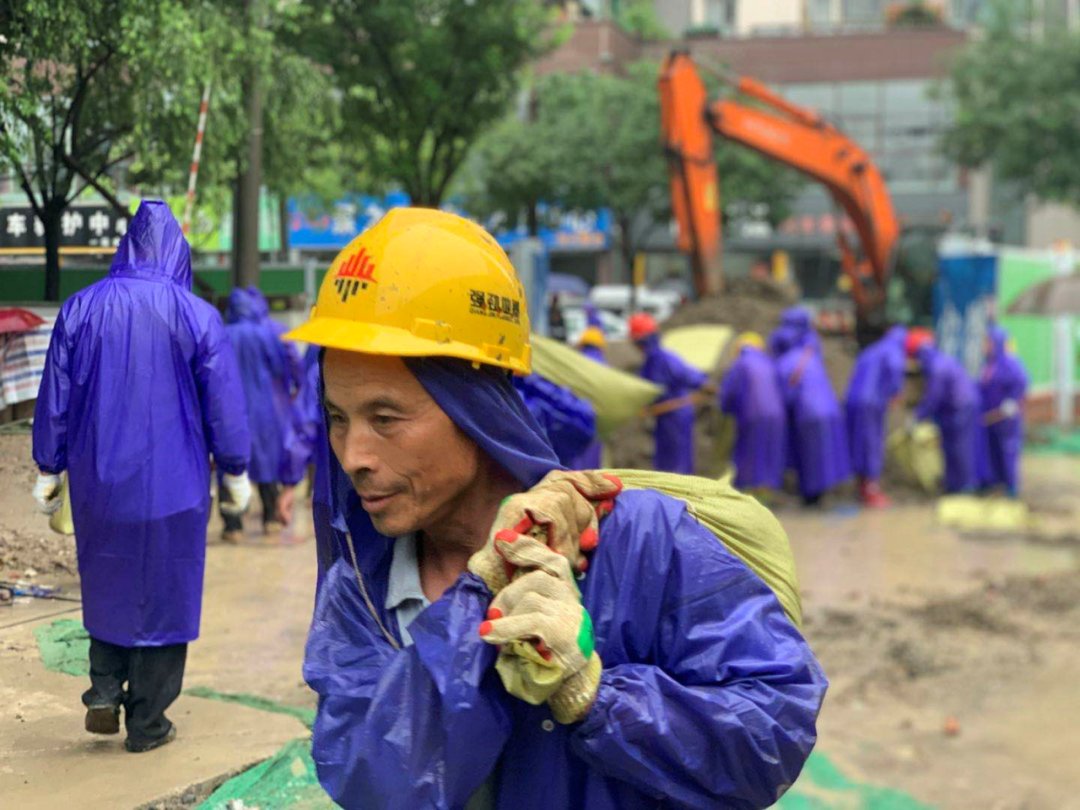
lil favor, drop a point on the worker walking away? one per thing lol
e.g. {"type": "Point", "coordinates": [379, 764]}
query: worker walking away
{"type": "Point", "coordinates": [675, 410]}
{"type": "Point", "coordinates": [876, 381]}
{"type": "Point", "coordinates": [296, 363]}
{"type": "Point", "coordinates": [592, 344]}
{"type": "Point", "coordinates": [568, 421]}
{"type": "Point", "coordinates": [266, 375]}
{"type": "Point", "coordinates": [750, 393]}
{"type": "Point", "coordinates": [1002, 386]}
{"type": "Point", "coordinates": [461, 535]}
{"type": "Point", "coordinates": [817, 440]}
{"type": "Point", "coordinates": [140, 390]}
{"type": "Point", "coordinates": [951, 400]}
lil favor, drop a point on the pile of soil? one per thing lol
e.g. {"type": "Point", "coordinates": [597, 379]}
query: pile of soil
{"type": "Point", "coordinates": [25, 555]}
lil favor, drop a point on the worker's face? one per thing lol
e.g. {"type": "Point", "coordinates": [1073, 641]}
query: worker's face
{"type": "Point", "coordinates": [408, 462]}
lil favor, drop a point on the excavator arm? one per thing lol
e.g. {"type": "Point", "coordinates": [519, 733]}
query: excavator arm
{"type": "Point", "coordinates": [784, 132]}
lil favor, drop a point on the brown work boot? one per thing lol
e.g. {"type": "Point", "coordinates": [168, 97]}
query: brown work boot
{"type": "Point", "coordinates": [272, 527]}
{"type": "Point", "coordinates": [103, 718]}
{"type": "Point", "coordinates": [232, 536]}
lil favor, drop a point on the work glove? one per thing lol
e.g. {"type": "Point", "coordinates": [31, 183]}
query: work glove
{"type": "Point", "coordinates": [563, 511]}
{"type": "Point", "coordinates": [239, 489]}
{"type": "Point", "coordinates": [546, 635]}
{"type": "Point", "coordinates": [47, 493]}
{"type": "Point", "coordinates": [1009, 409]}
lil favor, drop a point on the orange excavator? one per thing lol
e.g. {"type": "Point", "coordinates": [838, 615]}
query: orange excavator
{"type": "Point", "coordinates": [794, 136]}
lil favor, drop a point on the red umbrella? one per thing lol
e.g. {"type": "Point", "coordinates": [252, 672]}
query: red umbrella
{"type": "Point", "coordinates": [18, 320]}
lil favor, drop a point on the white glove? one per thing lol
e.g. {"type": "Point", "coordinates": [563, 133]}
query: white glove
{"type": "Point", "coordinates": [47, 493]}
{"type": "Point", "coordinates": [1009, 408]}
{"type": "Point", "coordinates": [239, 488]}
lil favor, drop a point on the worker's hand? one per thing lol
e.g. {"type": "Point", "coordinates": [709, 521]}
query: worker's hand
{"type": "Point", "coordinates": [563, 511]}
{"type": "Point", "coordinates": [545, 633]}
{"type": "Point", "coordinates": [239, 488]}
{"type": "Point", "coordinates": [47, 493]}
{"type": "Point", "coordinates": [1009, 408]}
{"type": "Point", "coordinates": [285, 504]}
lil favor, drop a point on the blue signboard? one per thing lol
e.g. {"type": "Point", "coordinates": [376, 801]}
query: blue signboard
{"type": "Point", "coordinates": [315, 227]}
{"type": "Point", "coordinates": [964, 296]}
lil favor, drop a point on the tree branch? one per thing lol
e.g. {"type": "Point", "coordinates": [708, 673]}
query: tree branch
{"type": "Point", "coordinates": [93, 181]}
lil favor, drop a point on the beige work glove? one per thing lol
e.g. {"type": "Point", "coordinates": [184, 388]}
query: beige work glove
{"type": "Point", "coordinates": [563, 511]}
{"type": "Point", "coordinates": [546, 635]}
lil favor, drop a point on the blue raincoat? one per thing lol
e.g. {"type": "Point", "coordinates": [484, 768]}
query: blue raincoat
{"type": "Point", "coordinates": [877, 379]}
{"type": "Point", "coordinates": [751, 394]}
{"type": "Point", "coordinates": [592, 456]}
{"type": "Point", "coordinates": [951, 400]}
{"type": "Point", "coordinates": [708, 698]}
{"type": "Point", "coordinates": [569, 422]}
{"type": "Point", "coordinates": [674, 430]}
{"type": "Point", "coordinates": [1000, 443]}
{"type": "Point", "coordinates": [817, 440]}
{"type": "Point", "coordinates": [267, 375]}
{"type": "Point", "coordinates": [140, 389]}
{"type": "Point", "coordinates": [297, 364]}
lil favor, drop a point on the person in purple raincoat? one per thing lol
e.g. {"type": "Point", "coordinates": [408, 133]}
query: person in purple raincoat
{"type": "Point", "coordinates": [1002, 386]}
{"type": "Point", "coordinates": [267, 375]}
{"type": "Point", "coordinates": [877, 379]}
{"type": "Point", "coordinates": [951, 400]}
{"type": "Point", "coordinates": [140, 389]}
{"type": "Point", "coordinates": [569, 422]}
{"type": "Point", "coordinates": [750, 393]}
{"type": "Point", "coordinates": [591, 344]}
{"type": "Point", "coordinates": [817, 440]}
{"type": "Point", "coordinates": [674, 428]}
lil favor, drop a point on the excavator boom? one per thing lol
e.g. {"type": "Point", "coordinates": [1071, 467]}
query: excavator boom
{"type": "Point", "coordinates": [787, 133]}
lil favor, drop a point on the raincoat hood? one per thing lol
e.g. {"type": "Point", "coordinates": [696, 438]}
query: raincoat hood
{"type": "Point", "coordinates": [241, 307]}
{"type": "Point", "coordinates": [259, 303]}
{"type": "Point", "coordinates": [154, 247]}
{"type": "Point", "coordinates": [999, 343]}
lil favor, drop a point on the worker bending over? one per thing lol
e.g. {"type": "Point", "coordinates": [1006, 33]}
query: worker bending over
{"type": "Point", "coordinates": [666, 673]}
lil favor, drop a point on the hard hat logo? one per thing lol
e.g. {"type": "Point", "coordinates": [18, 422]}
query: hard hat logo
{"type": "Point", "coordinates": [355, 274]}
{"type": "Point", "coordinates": [494, 306]}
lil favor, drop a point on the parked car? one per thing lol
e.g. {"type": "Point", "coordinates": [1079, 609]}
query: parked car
{"type": "Point", "coordinates": [614, 327]}
{"type": "Point", "coordinates": [616, 298]}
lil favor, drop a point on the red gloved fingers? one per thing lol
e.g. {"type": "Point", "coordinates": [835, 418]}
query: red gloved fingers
{"type": "Point", "coordinates": [589, 539]}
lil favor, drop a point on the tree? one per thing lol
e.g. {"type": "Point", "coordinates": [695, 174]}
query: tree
{"type": "Point", "coordinates": [594, 142]}
{"type": "Point", "coordinates": [1017, 107]}
{"type": "Point", "coordinates": [422, 79]}
{"type": "Point", "coordinates": [83, 86]}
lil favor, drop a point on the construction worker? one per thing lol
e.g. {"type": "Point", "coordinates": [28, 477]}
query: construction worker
{"type": "Point", "coordinates": [1002, 386]}
{"type": "Point", "coordinates": [267, 375]}
{"type": "Point", "coordinates": [592, 344]}
{"type": "Point", "coordinates": [672, 674]}
{"type": "Point", "coordinates": [750, 393]}
{"type": "Point", "coordinates": [951, 400]}
{"type": "Point", "coordinates": [140, 389]}
{"type": "Point", "coordinates": [675, 409]}
{"type": "Point", "coordinates": [876, 381]}
{"type": "Point", "coordinates": [817, 441]}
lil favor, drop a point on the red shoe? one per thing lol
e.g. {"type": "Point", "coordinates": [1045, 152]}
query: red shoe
{"type": "Point", "coordinates": [871, 495]}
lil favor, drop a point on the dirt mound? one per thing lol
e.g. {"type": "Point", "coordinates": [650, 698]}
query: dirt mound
{"type": "Point", "coordinates": [44, 554]}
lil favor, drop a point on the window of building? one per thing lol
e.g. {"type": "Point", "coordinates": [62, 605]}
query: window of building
{"type": "Point", "coordinates": [720, 14]}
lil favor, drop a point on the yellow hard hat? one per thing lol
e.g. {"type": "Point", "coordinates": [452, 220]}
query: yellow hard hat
{"type": "Point", "coordinates": [423, 283]}
{"type": "Point", "coordinates": [750, 339]}
{"type": "Point", "coordinates": [592, 336]}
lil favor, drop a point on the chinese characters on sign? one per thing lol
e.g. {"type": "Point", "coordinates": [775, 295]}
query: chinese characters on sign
{"type": "Point", "coordinates": [83, 226]}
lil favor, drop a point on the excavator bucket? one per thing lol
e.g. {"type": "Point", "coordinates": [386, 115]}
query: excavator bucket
{"type": "Point", "coordinates": [687, 141]}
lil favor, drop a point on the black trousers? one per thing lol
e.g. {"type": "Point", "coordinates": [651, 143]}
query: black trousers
{"type": "Point", "coordinates": [153, 675]}
{"type": "Point", "coordinates": [268, 494]}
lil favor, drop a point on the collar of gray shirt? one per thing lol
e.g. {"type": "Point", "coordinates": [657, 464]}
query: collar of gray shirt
{"type": "Point", "coordinates": [404, 596]}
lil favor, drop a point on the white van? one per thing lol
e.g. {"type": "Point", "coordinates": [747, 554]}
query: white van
{"type": "Point", "coordinates": [615, 298]}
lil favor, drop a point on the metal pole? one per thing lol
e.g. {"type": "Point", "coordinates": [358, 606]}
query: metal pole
{"type": "Point", "coordinates": [193, 175]}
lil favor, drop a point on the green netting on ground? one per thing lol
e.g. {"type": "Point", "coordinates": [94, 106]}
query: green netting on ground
{"type": "Point", "coordinates": [286, 780]}
{"type": "Point", "coordinates": [822, 786]}
{"type": "Point", "coordinates": [64, 646]}
{"type": "Point", "coordinates": [305, 716]}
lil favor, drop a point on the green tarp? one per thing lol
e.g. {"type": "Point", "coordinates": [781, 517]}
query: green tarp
{"type": "Point", "coordinates": [64, 646]}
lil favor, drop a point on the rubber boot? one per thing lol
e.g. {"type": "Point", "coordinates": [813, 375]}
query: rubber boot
{"type": "Point", "coordinates": [871, 495]}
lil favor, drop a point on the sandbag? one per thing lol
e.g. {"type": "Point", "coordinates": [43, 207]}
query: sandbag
{"type": "Point", "coordinates": [975, 514]}
{"type": "Point", "coordinates": [918, 455]}
{"type": "Point", "coordinates": [617, 397]}
{"type": "Point", "coordinates": [749, 530]}
{"type": "Point", "coordinates": [700, 345]}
